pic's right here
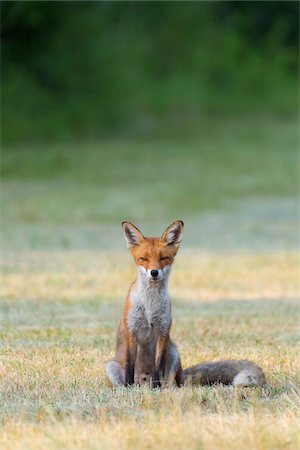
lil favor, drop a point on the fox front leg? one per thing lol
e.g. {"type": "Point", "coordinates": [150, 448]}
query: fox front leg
{"type": "Point", "coordinates": [144, 372]}
{"type": "Point", "coordinates": [160, 361]}
{"type": "Point", "coordinates": [130, 363]}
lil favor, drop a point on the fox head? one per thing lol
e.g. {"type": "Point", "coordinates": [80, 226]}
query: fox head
{"type": "Point", "coordinates": [154, 256]}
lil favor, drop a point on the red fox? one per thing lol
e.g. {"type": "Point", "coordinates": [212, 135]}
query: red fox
{"type": "Point", "coordinates": [145, 353]}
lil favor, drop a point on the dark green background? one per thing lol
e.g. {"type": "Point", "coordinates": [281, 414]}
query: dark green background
{"type": "Point", "coordinates": [88, 69]}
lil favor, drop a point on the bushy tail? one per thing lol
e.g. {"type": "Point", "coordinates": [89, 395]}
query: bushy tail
{"type": "Point", "coordinates": [244, 373]}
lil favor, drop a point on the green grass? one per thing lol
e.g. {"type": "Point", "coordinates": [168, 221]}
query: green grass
{"type": "Point", "coordinates": [235, 286]}
{"type": "Point", "coordinates": [168, 175]}
{"type": "Point", "coordinates": [86, 189]}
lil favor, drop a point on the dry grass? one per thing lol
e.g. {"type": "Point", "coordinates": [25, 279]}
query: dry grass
{"type": "Point", "coordinates": [186, 430]}
{"type": "Point", "coordinates": [235, 287]}
{"type": "Point", "coordinates": [58, 321]}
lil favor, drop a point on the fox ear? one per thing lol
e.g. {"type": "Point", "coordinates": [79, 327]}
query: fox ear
{"type": "Point", "coordinates": [173, 234]}
{"type": "Point", "coordinates": [132, 234]}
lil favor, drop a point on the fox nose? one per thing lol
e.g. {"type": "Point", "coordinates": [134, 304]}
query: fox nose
{"type": "Point", "coordinates": [154, 273]}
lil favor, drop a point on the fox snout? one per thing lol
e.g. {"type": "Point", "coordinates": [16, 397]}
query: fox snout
{"type": "Point", "coordinates": [154, 274]}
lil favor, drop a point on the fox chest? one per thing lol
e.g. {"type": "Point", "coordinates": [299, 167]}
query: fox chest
{"type": "Point", "coordinates": [148, 321]}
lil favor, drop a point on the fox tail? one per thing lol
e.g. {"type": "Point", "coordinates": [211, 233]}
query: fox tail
{"type": "Point", "coordinates": [234, 372]}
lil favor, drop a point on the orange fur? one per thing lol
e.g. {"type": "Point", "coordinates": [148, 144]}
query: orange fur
{"type": "Point", "coordinates": [151, 254]}
{"type": "Point", "coordinates": [145, 353]}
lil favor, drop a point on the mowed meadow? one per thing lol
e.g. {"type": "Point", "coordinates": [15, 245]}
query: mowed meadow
{"type": "Point", "coordinates": [235, 286]}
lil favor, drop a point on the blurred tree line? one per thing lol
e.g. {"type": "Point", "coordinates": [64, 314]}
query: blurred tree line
{"type": "Point", "coordinates": [75, 69]}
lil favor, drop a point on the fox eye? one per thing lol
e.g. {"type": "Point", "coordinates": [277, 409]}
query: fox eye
{"type": "Point", "coordinates": [163, 258]}
{"type": "Point", "coordinates": [142, 258]}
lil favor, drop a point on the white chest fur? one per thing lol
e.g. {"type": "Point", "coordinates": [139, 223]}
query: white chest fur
{"type": "Point", "coordinates": [150, 315]}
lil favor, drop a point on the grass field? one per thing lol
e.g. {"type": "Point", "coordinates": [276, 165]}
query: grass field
{"type": "Point", "coordinates": [235, 287]}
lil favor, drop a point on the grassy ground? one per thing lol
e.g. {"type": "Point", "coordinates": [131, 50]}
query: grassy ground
{"type": "Point", "coordinates": [75, 195]}
{"type": "Point", "coordinates": [235, 288]}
